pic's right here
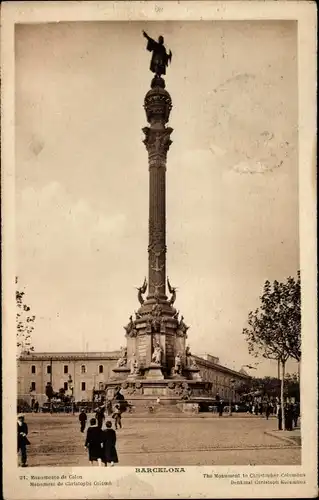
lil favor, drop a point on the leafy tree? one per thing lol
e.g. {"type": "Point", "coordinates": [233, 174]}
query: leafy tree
{"type": "Point", "coordinates": [274, 329]}
{"type": "Point", "coordinates": [270, 387]}
{"type": "Point", "coordinates": [292, 386]}
{"type": "Point", "coordinates": [25, 323]}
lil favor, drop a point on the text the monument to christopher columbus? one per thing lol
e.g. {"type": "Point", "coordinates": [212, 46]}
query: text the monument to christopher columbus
{"type": "Point", "coordinates": [252, 478]}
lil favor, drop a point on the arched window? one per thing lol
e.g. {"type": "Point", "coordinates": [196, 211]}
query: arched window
{"type": "Point", "coordinates": [83, 369]}
{"type": "Point", "coordinates": [100, 368]}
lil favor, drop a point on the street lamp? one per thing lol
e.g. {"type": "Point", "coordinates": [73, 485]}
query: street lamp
{"type": "Point", "coordinates": [232, 384]}
{"type": "Point", "coordinates": [71, 388]}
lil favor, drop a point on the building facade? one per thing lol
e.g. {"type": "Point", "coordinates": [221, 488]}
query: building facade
{"type": "Point", "coordinates": [78, 373]}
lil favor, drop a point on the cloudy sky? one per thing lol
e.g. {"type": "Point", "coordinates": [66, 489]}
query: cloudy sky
{"type": "Point", "coordinates": [82, 176]}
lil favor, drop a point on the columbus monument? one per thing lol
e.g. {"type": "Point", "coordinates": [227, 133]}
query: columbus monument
{"type": "Point", "coordinates": [156, 362]}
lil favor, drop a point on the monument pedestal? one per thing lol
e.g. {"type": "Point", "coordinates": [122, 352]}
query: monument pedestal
{"type": "Point", "coordinates": [154, 372]}
{"type": "Point", "coordinates": [193, 373]}
{"type": "Point", "coordinates": [120, 373]}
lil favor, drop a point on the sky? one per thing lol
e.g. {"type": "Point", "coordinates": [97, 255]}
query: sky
{"type": "Point", "coordinates": [82, 177]}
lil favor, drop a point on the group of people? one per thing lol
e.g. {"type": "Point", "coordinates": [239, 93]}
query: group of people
{"type": "Point", "coordinates": [101, 443]}
{"type": "Point", "coordinates": [100, 412]}
{"type": "Point", "coordinates": [34, 405]}
{"type": "Point", "coordinates": [291, 416]}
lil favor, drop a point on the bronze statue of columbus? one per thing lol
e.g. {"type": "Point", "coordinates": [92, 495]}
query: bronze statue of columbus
{"type": "Point", "coordinates": [160, 58]}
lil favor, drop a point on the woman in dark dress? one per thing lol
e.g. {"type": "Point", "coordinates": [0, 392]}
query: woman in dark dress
{"type": "Point", "coordinates": [93, 442]}
{"type": "Point", "coordinates": [109, 442]}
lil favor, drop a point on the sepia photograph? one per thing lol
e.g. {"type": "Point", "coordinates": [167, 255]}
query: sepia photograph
{"type": "Point", "coordinates": [158, 276]}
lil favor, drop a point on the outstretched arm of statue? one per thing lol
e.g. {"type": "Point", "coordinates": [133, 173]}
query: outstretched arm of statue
{"type": "Point", "coordinates": [146, 35]}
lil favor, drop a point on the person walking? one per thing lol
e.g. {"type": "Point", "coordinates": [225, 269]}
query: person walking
{"type": "Point", "coordinates": [82, 420]}
{"type": "Point", "coordinates": [23, 440]}
{"type": "Point", "coordinates": [109, 408]}
{"type": "Point", "coordinates": [109, 453]}
{"type": "Point", "coordinates": [220, 408]}
{"type": "Point", "coordinates": [268, 410]}
{"type": "Point", "coordinates": [288, 417]}
{"type": "Point", "coordinates": [296, 414]}
{"type": "Point", "coordinates": [117, 417]}
{"type": "Point", "coordinates": [100, 417]}
{"type": "Point", "coordinates": [279, 416]}
{"type": "Point", "coordinates": [93, 442]}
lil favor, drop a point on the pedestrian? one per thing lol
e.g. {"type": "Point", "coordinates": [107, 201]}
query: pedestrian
{"type": "Point", "coordinates": [220, 409]}
{"type": "Point", "coordinates": [23, 440]}
{"type": "Point", "coordinates": [117, 417]}
{"type": "Point", "coordinates": [288, 417]}
{"type": "Point", "coordinates": [279, 416]}
{"type": "Point", "coordinates": [109, 408]}
{"type": "Point", "coordinates": [296, 414]}
{"type": "Point", "coordinates": [93, 442]}
{"type": "Point", "coordinates": [109, 448]}
{"type": "Point", "coordinates": [82, 420]}
{"type": "Point", "coordinates": [268, 410]}
{"type": "Point", "coordinates": [100, 417]}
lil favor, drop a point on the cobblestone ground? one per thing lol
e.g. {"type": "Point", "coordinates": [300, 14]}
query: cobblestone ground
{"type": "Point", "coordinates": [56, 441]}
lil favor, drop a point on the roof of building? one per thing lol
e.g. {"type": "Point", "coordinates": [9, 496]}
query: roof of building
{"type": "Point", "coordinates": [114, 355]}
{"type": "Point", "coordinates": [57, 356]}
{"type": "Point", "coordinates": [210, 364]}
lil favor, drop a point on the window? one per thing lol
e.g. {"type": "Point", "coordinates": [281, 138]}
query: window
{"type": "Point", "coordinates": [65, 386]}
{"type": "Point", "coordinates": [32, 386]}
{"type": "Point", "coordinates": [83, 369]}
{"type": "Point", "coordinates": [33, 369]}
{"type": "Point", "coordinates": [49, 369]}
{"type": "Point", "coordinates": [66, 369]}
{"type": "Point", "coordinates": [101, 369]}
{"type": "Point", "coordinates": [83, 386]}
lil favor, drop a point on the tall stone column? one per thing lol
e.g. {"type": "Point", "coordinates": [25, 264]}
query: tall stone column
{"type": "Point", "coordinates": [158, 105]}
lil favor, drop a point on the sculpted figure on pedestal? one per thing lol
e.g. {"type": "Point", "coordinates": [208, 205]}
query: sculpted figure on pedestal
{"type": "Point", "coordinates": [130, 328]}
{"type": "Point", "coordinates": [160, 58]}
{"type": "Point", "coordinates": [141, 291]}
{"type": "Point", "coordinates": [123, 359]}
{"type": "Point", "coordinates": [137, 315]}
{"type": "Point", "coordinates": [178, 364]}
{"type": "Point", "coordinates": [182, 326]}
{"type": "Point", "coordinates": [134, 365]}
{"type": "Point", "coordinates": [190, 361]}
{"type": "Point", "coordinates": [171, 290]}
{"type": "Point", "coordinates": [157, 354]}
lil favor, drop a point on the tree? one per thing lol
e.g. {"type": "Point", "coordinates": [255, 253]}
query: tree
{"type": "Point", "coordinates": [269, 387]}
{"type": "Point", "coordinates": [25, 323]}
{"type": "Point", "coordinates": [292, 386]}
{"type": "Point", "coordinates": [274, 329]}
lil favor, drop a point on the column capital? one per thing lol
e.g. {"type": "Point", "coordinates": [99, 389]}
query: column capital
{"type": "Point", "coordinates": [157, 143]}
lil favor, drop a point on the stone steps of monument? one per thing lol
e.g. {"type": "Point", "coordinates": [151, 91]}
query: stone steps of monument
{"type": "Point", "coordinates": [155, 411]}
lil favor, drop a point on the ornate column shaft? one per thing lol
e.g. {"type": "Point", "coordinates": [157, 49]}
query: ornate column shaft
{"type": "Point", "coordinates": [157, 141]}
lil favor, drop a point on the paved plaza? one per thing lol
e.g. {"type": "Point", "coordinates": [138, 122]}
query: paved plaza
{"type": "Point", "coordinates": [151, 440]}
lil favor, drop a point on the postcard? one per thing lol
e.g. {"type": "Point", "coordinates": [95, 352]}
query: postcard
{"type": "Point", "coordinates": [159, 249]}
